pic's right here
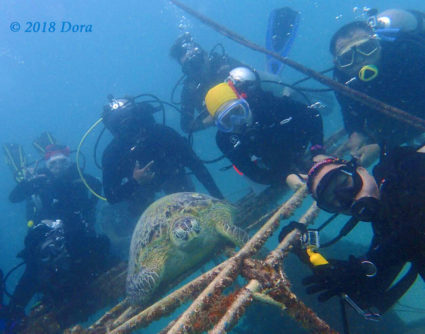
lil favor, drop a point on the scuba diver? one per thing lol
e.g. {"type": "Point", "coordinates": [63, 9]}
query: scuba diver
{"type": "Point", "coordinates": [264, 136]}
{"type": "Point", "coordinates": [202, 71]}
{"type": "Point", "coordinates": [56, 190]}
{"type": "Point", "coordinates": [145, 158]}
{"type": "Point", "coordinates": [393, 200]}
{"type": "Point", "coordinates": [384, 59]}
{"type": "Point", "coordinates": [62, 252]}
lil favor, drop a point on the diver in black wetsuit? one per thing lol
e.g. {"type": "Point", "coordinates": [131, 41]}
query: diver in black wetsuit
{"type": "Point", "coordinates": [264, 136]}
{"type": "Point", "coordinates": [394, 201]}
{"type": "Point", "coordinates": [62, 251]}
{"type": "Point", "coordinates": [57, 191]}
{"type": "Point", "coordinates": [202, 72]}
{"type": "Point", "coordinates": [386, 62]}
{"type": "Point", "coordinates": [145, 158]}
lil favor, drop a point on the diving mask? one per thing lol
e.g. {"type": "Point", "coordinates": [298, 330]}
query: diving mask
{"type": "Point", "coordinates": [233, 115]}
{"type": "Point", "coordinates": [337, 190]}
{"type": "Point", "coordinates": [366, 47]}
{"type": "Point", "coordinates": [58, 164]}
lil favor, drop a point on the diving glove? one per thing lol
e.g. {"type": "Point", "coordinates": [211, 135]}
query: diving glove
{"type": "Point", "coordinates": [350, 277]}
{"type": "Point", "coordinates": [298, 246]}
{"type": "Point", "coordinates": [290, 227]}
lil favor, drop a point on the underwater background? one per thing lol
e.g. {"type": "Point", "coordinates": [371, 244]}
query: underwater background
{"type": "Point", "coordinates": [58, 82]}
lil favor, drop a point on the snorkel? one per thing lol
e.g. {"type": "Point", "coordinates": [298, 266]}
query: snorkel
{"type": "Point", "coordinates": [368, 73]}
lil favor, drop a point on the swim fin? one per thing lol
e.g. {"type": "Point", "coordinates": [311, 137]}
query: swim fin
{"type": "Point", "coordinates": [43, 140]}
{"type": "Point", "coordinates": [281, 31]}
{"type": "Point", "coordinates": [16, 160]}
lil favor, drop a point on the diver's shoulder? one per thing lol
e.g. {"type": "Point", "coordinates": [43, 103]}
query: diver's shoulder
{"type": "Point", "coordinates": [162, 129]}
{"type": "Point", "coordinates": [227, 142]}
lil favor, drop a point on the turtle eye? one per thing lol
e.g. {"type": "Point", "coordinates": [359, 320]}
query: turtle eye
{"type": "Point", "coordinates": [180, 233]}
{"type": "Point", "coordinates": [185, 225]}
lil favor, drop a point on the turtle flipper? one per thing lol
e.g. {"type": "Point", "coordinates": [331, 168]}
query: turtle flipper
{"type": "Point", "coordinates": [141, 285]}
{"type": "Point", "coordinates": [233, 233]}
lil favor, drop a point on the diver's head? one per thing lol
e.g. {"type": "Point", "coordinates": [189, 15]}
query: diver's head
{"type": "Point", "coordinates": [120, 117]}
{"type": "Point", "coordinates": [244, 79]}
{"type": "Point", "coordinates": [339, 186]}
{"type": "Point", "coordinates": [228, 107]}
{"type": "Point", "coordinates": [189, 54]}
{"type": "Point", "coordinates": [57, 159]}
{"type": "Point", "coordinates": [356, 50]}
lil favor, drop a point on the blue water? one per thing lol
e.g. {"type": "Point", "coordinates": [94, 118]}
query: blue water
{"type": "Point", "coordinates": [58, 81]}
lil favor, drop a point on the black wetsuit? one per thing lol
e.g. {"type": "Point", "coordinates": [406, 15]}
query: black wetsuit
{"type": "Point", "coordinates": [59, 272]}
{"type": "Point", "coordinates": [399, 233]}
{"type": "Point", "coordinates": [274, 145]}
{"type": "Point", "coordinates": [65, 198]}
{"type": "Point", "coordinates": [400, 83]}
{"type": "Point", "coordinates": [171, 154]}
{"type": "Point", "coordinates": [196, 87]}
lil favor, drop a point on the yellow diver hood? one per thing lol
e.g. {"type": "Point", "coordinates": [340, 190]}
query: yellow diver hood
{"type": "Point", "coordinates": [219, 95]}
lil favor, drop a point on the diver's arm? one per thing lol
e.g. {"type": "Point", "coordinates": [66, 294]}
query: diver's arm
{"type": "Point", "coordinates": [26, 188]}
{"type": "Point", "coordinates": [241, 160]}
{"type": "Point", "coordinates": [20, 192]}
{"type": "Point", "coordinates": [365, 153]}
{"type": "Point", "coordinates": [389, 259]}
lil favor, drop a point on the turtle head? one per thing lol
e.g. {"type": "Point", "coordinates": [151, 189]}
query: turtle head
{"type": "Point", "coordinates": [184, 230]}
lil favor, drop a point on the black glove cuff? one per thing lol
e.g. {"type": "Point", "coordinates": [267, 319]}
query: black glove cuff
{"type": "Point", "coordinates": [290, 227]}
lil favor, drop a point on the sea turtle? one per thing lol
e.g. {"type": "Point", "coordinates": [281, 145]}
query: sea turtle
{"type": "Point", "coordinates": [175, 234]}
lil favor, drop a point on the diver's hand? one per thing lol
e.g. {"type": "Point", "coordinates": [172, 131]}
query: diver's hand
{"type": "Point", "coordinates": [289, 228]}
{"type": "Point", "coordinates": [356, 141]}
{"type": "Point", "coordinates": [294, 181]}
{"type": "Point", "coordinates": [143, 175]}
{"type": "Point", "coordinates": [338, 277]}
{"type": "Point", "coordinates": [367, 154]}
{"type": "Point", "coordinates": [36, 181]}
{"type": "Point", "coordinates": [297, 247]}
